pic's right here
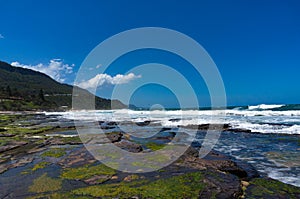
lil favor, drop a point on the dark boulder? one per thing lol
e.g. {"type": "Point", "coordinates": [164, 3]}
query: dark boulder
{"type": "Point", "coordinates": [114, 136]}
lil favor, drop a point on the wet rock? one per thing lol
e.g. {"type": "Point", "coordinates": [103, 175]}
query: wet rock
{"type": "Point", "coordinates": [101, 122]}
{"type": "Point", "coordinates": [271, 189]}
{"type": "Point", "coordinates": [15, 163]}
{"type": "Point", "coordinates": [12, 145]}
{"type": "Point", "coordinates": [240, 130]}
{"type": "Point", "coordinates": [220, 185]}
{"type": "Point", "coordinates": [251, 172]}
{"type": "Point", "coordinates": [219, 162]}
{"type": "Point", "coordinates": [129, 146]}
{"type": "Point", "coordinates": [165, 129]}
{"type": "Point", "coordinates": [112, 123]}
{"type": "Point", "coordinates": [36, 149]}
{"type": "Point", "coordinates": [3, 168]}
{"type": "Point", "coordinates": [98, 179]}
{"type": "Point", "coordinates": [102, 138]}
{"type": "Point", "coordinates": [64, 141]}
{"type": "Point", "coordinates": [143, 123]}
{"type": "Point", "coordinates": [108, 125]}
{"type": "Point", "coordinates": [77, 158]}
{"type": "Point", "coordinates": [164, 136]}
{"type": "Point", "coordinates": [4, 158]}
{"type": "Point", "coordinates": [114, 136]}
{"type": "Point", "coordinates": [175, 120]}
{"type": "Point", "coordinates": [217, 127]}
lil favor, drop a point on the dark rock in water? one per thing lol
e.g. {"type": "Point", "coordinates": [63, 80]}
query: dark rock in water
{"type": "Point", "coordinates": [220, 127]}
{"type": "Point", "coordinates": [143, 123]}
{"type": "Point", "coordinates": [162, 137]}
{"type": "Point", "coordinates": [101, 122]}
{"type": "Point", "coordinates": [108, 125]}
{"type": "Point", "coordinates": [175, 120]}
{"type": "Point", "coordinates": [165, 129]}
{"type": "Point", "coordinates": [129, 146]}
{"type": "Point", "coordinates": [111, 123]}
{"type": "Point", "coordinates": [114, 136]}
{"type": "Point", "coordinates": [239, 130]}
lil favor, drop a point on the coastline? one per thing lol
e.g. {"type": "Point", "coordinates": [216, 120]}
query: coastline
{"type": "Point", "coordinates": [27, 157]}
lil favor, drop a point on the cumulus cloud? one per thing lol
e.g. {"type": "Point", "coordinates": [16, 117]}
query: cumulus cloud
{"type": "Point", "coordinates": [101, 79]}
{"type": "Point", "coordinates": [56, 69]}
{"type": "Point", "coordinates": [1, 36]}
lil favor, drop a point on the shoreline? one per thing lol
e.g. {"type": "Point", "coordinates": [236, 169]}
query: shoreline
{"type": "Point", "coordinates": [50, 145]}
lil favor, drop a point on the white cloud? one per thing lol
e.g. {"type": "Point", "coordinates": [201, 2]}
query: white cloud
{"type": "Point", "coordinates": [101, 79]}
{"type": "Point", "coordinates": [1, 36]}
{"type": "Point", "coordinates": [55, 68]}
{"type": "Point", "coordinates": [99, 65]}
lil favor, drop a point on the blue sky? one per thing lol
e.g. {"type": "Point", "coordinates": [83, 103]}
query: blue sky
{"type": "Point", "coordinates": [255, 44]}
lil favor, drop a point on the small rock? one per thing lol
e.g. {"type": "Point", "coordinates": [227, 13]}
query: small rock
{"type": "Point", "coordinates": [130, 178]}
{"type": "Point", "coordinates": [245, 183]}
{"type": "Point", "coordinates": [143, 123]}
{"type": "Point", "coordinates": [97, 179]}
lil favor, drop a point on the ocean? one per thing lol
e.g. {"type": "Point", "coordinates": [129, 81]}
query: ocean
{"type": "Point", "coordinates": [266, 136]}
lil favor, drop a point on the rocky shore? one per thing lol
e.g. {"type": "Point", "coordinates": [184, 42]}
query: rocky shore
{"type": "Point", "coordinates": [40, 158]}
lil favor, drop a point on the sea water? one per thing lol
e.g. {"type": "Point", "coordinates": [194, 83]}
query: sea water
{"type": "Point", "coordinates": [274, 148]}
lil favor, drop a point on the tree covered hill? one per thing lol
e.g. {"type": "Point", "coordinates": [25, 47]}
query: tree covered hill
{"type": "Point", "coordinates": [25, 89]}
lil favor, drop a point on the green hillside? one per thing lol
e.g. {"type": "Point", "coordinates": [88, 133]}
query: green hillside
{"type": "Point", "coordinates": [24, 89]}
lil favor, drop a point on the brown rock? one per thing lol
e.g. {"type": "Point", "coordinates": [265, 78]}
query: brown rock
{"type": "Point", "coordinates": [114, 136]}
{"type": "Point", "coordinates": [12, 145]}
{"type": "Point", "coordinates": [99, 179]}
{"type": "Point", "coordinates": [129, 146]}
{"type": "Point", "coordinates": [77, 158]}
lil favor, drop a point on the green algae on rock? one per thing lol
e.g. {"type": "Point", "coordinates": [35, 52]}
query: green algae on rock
{"type": "Point", "coordinates": [87, 171]}
{"type": "Point", "coordinates": [55, 152]}
{"type": "Point", "coordinates": [40, 165]}
{"type": "Point", "coordinates": [154, 146]}
{"type": "Point", "coordinates": [269, 188]}
{"type": "Point", "coordinates": [45, 184]}
{"type": "Point", "coordinates": [183, 186]}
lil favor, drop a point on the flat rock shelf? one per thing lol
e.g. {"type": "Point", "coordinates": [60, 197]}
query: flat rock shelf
{"type": "Point", "coordinates": [42, 157]}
